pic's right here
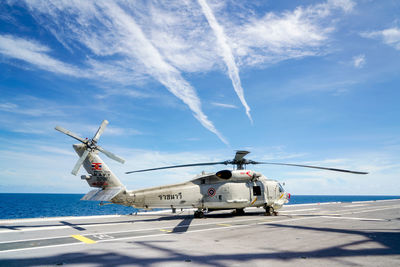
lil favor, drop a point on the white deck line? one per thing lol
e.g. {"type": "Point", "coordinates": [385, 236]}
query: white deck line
{"type": "Point", "coordinates": [49, 219]}
{"type": "Point", "coordinates": [353, 218]}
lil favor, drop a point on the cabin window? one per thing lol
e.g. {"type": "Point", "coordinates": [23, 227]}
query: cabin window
{"type": "Point", "coordinates": [203, 181]}
{"type": "Point", "coordinates": [256, 191]}
{"type": "Point", "coordinates": [220, 197]}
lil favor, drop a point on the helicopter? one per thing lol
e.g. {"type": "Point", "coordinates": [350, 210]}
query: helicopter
{"type": "Point", "coordinates": [234, 189]}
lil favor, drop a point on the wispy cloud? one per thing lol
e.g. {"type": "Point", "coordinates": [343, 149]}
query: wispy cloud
{"type": "Point", "coordinates": [226, 53]}
{"type": "Point", "coordinates": [120, 34]}
{"type": "Point", "coordinates": [32, 106]}
{"type": "Point", "coordinates": [291, 34]}
{"type": "Point", "coordinates": [130, 44]}
{"type": "Point", "coordinates": [359, 61]}
{"type": "Point", "coordinates": [223, 105]}
{"type": "Point", "coordinates": [390, 36]}
{"type": "Point", "coordinates": [35, 53]}
{"type": "Point", "coordinates": [32, 115]}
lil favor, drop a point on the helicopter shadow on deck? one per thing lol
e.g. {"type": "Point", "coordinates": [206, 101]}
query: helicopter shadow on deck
{"type": "Point", "coordinates": [80, 226]}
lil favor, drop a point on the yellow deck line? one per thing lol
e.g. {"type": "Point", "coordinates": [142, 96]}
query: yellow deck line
{"type": "Point", "coordinates": [163, 230]}
{"type": "Point", "coordinates": [224, 224]}
{"type": "Point", "coordinates": [83, 239]}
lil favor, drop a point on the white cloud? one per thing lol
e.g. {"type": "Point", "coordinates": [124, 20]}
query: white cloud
{"type": "Point", "coordinates": [359, 61]}
{"type": "Point", "coordinates": [345, 5]}
{"type": "Point", "coordinates": [390, 36]}
{"type": "Point", "coordinates": [179, 32]}
{"type": "Point", "coordinates": [291, 34]}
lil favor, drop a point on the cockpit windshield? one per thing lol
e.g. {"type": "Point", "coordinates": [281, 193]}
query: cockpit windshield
{"type": "Point", "coordinates": [281, 190]}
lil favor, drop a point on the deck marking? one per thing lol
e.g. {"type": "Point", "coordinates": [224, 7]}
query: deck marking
{"type": "Point", "coordinates": [224, 224]}
{"type": "Point", "coordinates": [164, 230]}
{"type": "Point", "coordinates": [5, 221]}
{"type": "Point", "coordinates": [297, 210]}
{"type": "Point", "coordinates": [351, 206]}
{"type": "Point", "coordinates": [368, 210]}
{"type": "Point", "coordinates": [353, 218]}
{"type": "Point", "coordinates": [83, 239]}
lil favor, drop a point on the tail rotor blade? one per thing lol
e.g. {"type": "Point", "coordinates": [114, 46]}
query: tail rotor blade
{"type": "Point", "coordinates": [80, 162]}
{"type": "Point", "coordinates": [69, 133]}
{"type": "Point", "coordinates": [100, 130]}
{"type": "Point", "coordinates": [110, 155]}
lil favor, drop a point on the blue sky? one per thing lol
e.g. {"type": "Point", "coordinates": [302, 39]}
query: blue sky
{"type": "Point", "coordinates": [308, 82]}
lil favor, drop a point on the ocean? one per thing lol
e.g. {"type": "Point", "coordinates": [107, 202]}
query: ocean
{"type": "Point", "coordinates": [13, 206]}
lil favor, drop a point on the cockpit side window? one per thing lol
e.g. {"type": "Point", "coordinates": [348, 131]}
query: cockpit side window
{"type": "Point", "coordinates": [281, 190]}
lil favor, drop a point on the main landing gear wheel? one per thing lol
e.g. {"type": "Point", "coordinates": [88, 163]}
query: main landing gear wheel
{"type": "Point", "coordinates": [269, 211]}
{"type": "Point", "coordinates": [239, 212]}
{"type": "Point", "coordinates": [199, 214]}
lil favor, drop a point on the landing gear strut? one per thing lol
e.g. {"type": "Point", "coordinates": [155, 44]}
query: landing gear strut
{"type": "Point", "coordinates": [199, 214]}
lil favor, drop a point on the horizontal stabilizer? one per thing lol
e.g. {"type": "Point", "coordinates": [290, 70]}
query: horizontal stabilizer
{"type": "Point", "coordinates": [102, 194]}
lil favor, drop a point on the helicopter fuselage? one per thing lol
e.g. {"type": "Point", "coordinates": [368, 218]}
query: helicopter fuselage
{"type": "Point", "coordinates": [209, 192]}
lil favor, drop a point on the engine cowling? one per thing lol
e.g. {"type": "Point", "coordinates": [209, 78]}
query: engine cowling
{"type": "Point", "coordinates": [224, 174]}
{"type": "Point", "coordinates": [237, 175]}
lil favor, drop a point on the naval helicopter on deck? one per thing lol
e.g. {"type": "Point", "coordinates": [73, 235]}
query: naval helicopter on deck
{"type": "Point", "coordinates": [235, 189]}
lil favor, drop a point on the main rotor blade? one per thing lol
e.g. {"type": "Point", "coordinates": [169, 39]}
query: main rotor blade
{"type": "Point", "coordinates": [110, 155]}
{"type": "Point", "coordinates": [80, 162]}
{"type": "Point", "coordinates": [309, 166]}
{"type": "Point", "coordinates": [100, 130]}
{"type": "Point", "coordinates": [181, 166]}
{"type": "Point", "coordinates": [73, 135]}
{"type": "Point", "coordinates": [240, 155]}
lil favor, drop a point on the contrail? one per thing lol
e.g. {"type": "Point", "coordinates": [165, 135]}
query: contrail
{"type": "Point", "coordinates": [105, 28]}
{"type": "Point", "coordinates": [165, 73]}
{"type": "Point", "coordinates": [227, 54]}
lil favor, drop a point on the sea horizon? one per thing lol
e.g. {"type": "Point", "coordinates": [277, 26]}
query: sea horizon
{"type": "Point", "coordinates": [44, 205]}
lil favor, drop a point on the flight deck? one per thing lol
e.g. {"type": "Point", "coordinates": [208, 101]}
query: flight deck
{"type": "Point", "coordinates": [352, 233]}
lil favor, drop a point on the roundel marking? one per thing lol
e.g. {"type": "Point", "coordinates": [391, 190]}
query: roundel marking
{"type": "Point", "coordinates": [211, 191]}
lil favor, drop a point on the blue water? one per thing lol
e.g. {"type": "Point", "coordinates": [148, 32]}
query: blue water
{"type": "Point", "coordinates": [53, 205]}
